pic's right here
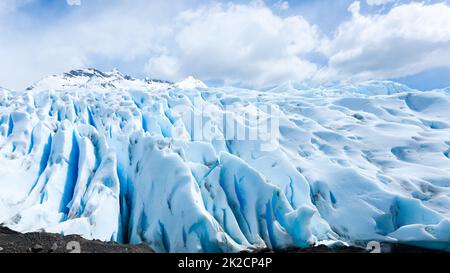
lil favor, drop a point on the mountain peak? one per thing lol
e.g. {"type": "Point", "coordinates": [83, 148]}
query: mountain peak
{"type": "Point", "coordinates": [88, 72]}
{"type": "Point", "coordinates": [190, 83]}
{"type": "Point", "coordinates": [94, 79]}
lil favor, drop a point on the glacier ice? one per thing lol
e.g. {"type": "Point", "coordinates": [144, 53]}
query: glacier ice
{"type": "Point", "coordinates": [115, 158]}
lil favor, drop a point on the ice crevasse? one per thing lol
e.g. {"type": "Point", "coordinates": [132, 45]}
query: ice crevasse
{"type": "Point", "coordinates": [114, 158]}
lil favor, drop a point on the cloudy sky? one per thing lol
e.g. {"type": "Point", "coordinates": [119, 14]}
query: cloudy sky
{"type": "Point", "coordinates": [243, 43]}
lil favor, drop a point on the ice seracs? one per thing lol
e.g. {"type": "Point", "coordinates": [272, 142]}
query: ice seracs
{"type": "Point", "coordinates": [115, 158]}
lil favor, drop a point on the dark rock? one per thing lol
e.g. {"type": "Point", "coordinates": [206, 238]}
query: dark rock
{"type": "Point", "coordinates": [53, 248]}
{"type": "Point", "coordinates": [40, 242]}
{"type": "Point", "coordinates": [37, 248]}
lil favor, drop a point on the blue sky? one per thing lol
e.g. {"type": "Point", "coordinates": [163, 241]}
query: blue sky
{"type": "Point", "coordinates": [246, 43]}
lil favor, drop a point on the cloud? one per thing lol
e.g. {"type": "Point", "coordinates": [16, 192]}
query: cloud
{"type": "Point", "coordinates": [249, 44]}
{"type": "Point", "coordinates": [378, 2]}
{"type": "Point", "coordinates": [354, 8]}
{"type": "Point", "coordinates": [73, 2]}
{"type": "Point", "coordinates": [240, 44]}
{"type": "Point", "coordinates": [282, 5]}
{"type": "Point", "coordinates": [409, 39]}
{"type": "Point", "coordinates": [125, 32]}
{"type": "Point", "coordinates": [163, 67]}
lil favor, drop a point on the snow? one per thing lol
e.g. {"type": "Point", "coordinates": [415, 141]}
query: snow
{"type": "Point", "coordinates": [115, 158]}
{"type": "Point", "coordinates": [93, 79]}
{"type": "Point", "coordinates": [191, 83]}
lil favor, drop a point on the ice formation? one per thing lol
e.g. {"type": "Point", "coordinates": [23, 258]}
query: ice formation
{"type": "Point", "coordinates": [115, 158]}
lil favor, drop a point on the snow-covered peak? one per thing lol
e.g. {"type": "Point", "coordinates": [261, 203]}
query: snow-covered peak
{"type": "Point", "coordinates": [97, 80]}
{"type": "Point", "coordinates": [190, 83]}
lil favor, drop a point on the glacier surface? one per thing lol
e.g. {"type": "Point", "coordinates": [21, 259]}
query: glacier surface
{"type": "Point", "coordinates": [110, 157]}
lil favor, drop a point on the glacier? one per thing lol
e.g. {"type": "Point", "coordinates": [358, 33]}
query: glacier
{"type": "Point", "coordinates": [110, 157]}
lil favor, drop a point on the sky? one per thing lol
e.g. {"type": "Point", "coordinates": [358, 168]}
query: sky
{"type": "Point", "coordinates": [243, 43]}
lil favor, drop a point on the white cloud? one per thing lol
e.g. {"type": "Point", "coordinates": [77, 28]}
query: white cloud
{"type": "Point", "coordinates": [378, 2]}
{"type": "Point", "coordinates": [354, 8]}
{"type": "Point", "coordinates": [409, 39]}
{"type": "Point", "coordinates": [163, 67]}
{"type": "Point", "coordinates": [246, 44]}
{"type": "Point", "coordinates": [237, 43]}
{"type": "Point", "coordinates": [282, 5]}
{"type": "Point", "coordinates": [73, 2]}
{"type": "Point", "coordinates": [124, 32]}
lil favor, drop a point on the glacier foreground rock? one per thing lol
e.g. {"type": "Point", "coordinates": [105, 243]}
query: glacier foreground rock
{"type": "Point", "coordinates": [110, 157]}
